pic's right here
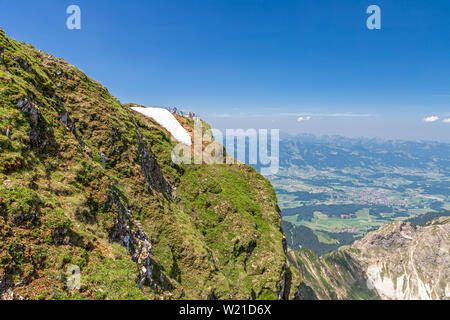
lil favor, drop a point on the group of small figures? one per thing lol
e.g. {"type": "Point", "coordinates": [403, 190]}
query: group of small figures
{"type": "Point", "coordinates": [175, 110]}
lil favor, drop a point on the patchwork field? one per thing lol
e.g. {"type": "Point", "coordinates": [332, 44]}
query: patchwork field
{"type": "Point", "coordinates": [337, 186]}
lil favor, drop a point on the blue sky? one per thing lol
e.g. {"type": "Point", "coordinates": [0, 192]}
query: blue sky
{"type": "Point", "coordinates": [260, 63]}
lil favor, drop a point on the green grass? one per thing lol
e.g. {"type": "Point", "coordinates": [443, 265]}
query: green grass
{"type": "Point", "coordinates": [217, 233]}
{"type": "Point", "coordinates": [324, 238]}
{"type": "Point", "coordinates": [115, 280]}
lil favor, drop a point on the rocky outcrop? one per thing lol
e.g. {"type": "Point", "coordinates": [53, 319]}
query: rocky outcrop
{"type": "Point", "coordinates": [11, 295]}
{"type": "Point", "coordinates": [403, 261]}
{"type": "Point", "coordinates": [130, 234]}
{"type": "Point", "coordinates": [71, 125]}
{"type": "Point", "coordinates": [7, 286]}
{"type": "Point", "coordinates": [23, 64]}
{"type": "Point", "coordinates": [5, 283]}
{"type": "Point", "coordinates": [150, 168]}
{"type": "Point", "coordinates": [37, 134]}
{"type": "Point", "coordinates": [399, 261]}
{"type": "Point", "coordinates": [282, 294]}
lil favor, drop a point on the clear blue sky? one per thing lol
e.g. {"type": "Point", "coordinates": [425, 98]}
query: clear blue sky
{"type": "Point", "coordinates": [261, 63]}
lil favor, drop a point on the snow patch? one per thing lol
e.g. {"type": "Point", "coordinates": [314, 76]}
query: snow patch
{"type": "Point", "coordinates": [414, 289]}
{"type": "Point", "coordinates": [164, 118]}
{"type": "Point", "coordinates": [383, 285]}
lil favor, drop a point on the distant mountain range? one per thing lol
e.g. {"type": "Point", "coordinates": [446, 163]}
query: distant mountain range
{"type": "Point", "coordinates": [341, 152]}
{"type": "Point", "coordinates": [342, 140]}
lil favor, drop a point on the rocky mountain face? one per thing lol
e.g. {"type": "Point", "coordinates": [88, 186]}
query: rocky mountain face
{"type": "Point", "coordinates": [88, 189]}
{"type": "Point", "coordinates": [407, 262]}
{"type": "Point", "coordinates": [398, 261]}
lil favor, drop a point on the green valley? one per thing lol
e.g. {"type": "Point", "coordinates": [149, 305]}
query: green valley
{"type": "Point", "coordinates": [345, 187]}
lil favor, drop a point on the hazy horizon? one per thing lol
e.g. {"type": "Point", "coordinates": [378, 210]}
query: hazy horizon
{"type": "Point", "coordinates": [345, 129]}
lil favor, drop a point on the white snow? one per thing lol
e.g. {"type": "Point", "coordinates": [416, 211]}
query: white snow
{"type": "Point", "coordinates": [414, 289]}
{"type": "Point", "coordinates": [167, 121]}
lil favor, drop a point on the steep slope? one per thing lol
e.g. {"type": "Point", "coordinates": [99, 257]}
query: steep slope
{"type": "Point", "coordinates": [86, 182]}
{"type": "Point", "coordinates": [407, 262]}
{"type": "Point", "coordinates": [335, 276]}
{"type": "Point", "coordinates": [399, 261]}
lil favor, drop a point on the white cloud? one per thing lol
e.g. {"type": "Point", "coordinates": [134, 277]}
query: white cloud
{"type": "Point", "coordinates": [431, 119]}
{"type": "Point", "coordinates": [307, 118]}
{"type": "Point", "coordinates": [446, 120]}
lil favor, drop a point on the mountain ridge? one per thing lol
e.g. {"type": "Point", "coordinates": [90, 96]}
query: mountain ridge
{"type": "Point", "coordinates": [88, 183]}
{"type": "Point", "coordinates": [400, 261]}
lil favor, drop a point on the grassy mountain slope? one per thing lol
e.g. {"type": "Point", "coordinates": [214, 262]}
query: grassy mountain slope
{"type": "Point", "coordinates": [138, 227]}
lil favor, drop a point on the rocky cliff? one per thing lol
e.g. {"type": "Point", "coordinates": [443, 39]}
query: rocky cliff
{"type": "Point", "coordinates": [88, 188]}
{"type": "Point", "coordinates": [398, 261]}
